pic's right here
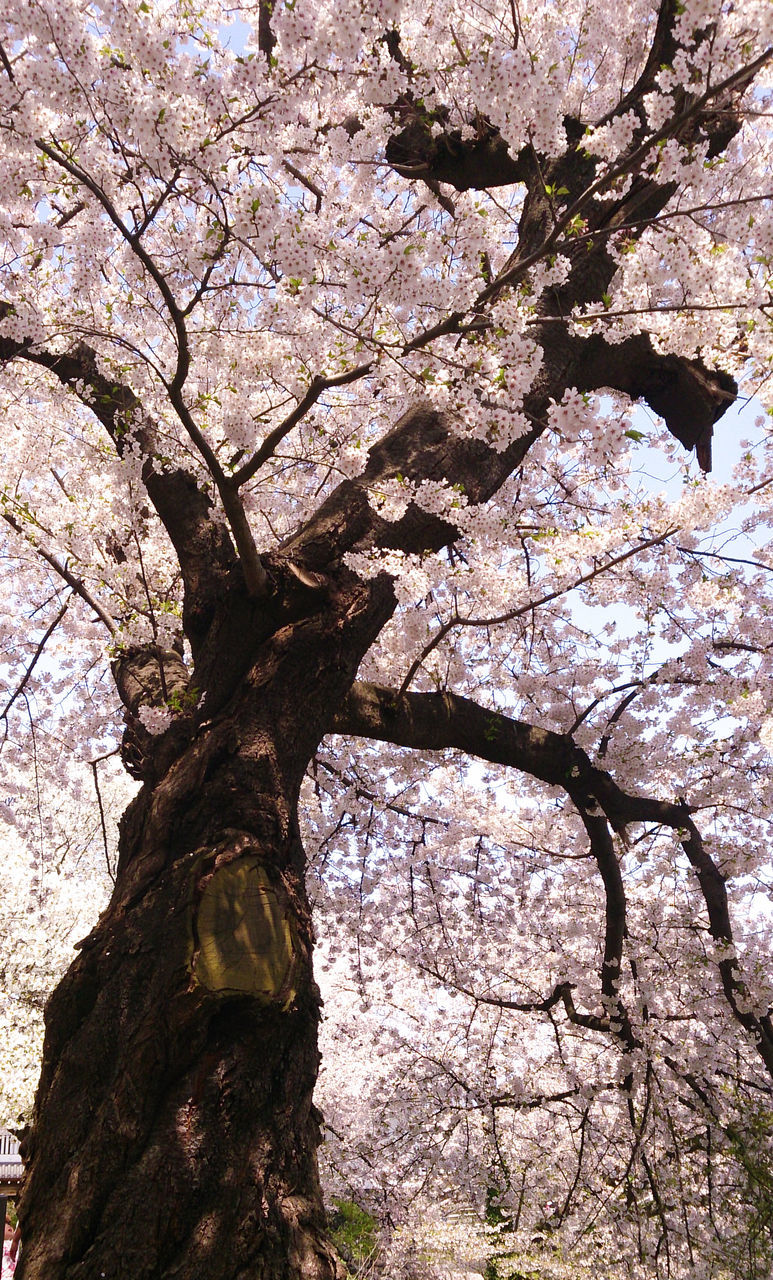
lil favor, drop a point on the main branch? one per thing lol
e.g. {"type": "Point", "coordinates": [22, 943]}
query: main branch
{"type": "Point", "coordinates": [437, 721]}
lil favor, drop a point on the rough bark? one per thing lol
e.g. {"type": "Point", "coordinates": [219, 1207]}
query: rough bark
{"type": "Point", "coordinates": [175, 1133]}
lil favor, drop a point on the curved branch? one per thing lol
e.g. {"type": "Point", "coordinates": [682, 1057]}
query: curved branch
{"type": "Point", "coordinates": [562, 992]}
{"type": "Point", "coordinates": [254, 573]}
{"type": "Point", "coordinates": [436, 721]}
{"type": "Point", "coordinates": [202, 545]}
{"type": "Point", "coordinates": [485, 160]}
{"type": "Point", "coordinates": [135, 243]}
{"type": "Point", "coordinates": [661, 51]}
{"type": "Point", "coordinates": [315, 389]}
{"type": "Point", "coordinates": [689, 397]}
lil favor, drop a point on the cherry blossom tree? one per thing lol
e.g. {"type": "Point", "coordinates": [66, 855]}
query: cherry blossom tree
{"type": "Point", "coordinates": [321, 328]}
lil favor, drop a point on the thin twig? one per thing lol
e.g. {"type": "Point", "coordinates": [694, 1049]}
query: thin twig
{"type": "Point", "coordinates": [35, 658]}
{"type": "Point", "coordinates": [70, 578]}
{"type": "Point", "coordinates": [93, 766]}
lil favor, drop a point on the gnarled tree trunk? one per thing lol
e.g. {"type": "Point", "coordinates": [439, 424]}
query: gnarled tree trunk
{"type": "Point", "coordinates": [177, 1134]}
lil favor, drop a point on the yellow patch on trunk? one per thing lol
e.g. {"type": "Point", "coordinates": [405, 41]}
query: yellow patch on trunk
{"type": "Point", "coordinates": [245, 938]}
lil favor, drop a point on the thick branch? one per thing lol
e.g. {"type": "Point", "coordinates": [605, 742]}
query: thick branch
{"type": "Point", "coordinates": [689, 397]}
{"type": "Point", "coordinates": [202, 544]}
{"type": "Point", "coordinates": [436, 721]}
{"type": "Point", "coordinates": [685, 393]}
{"type": "Point", "coordinates": [426, 444]}
{"type": "Point", "coordinates": [485, 160]}
{"type": "Point", "coordinates": [422, 445]}
{"type": "Point", "coordinates": [661, 53]}
{"type": "Point", "coordinates": [464, 163]}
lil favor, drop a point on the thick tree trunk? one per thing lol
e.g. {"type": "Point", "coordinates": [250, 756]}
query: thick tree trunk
{"type": "Point", "coordinates": [177, 1089]}
{"type": "Point", "coordinates": [176, 1096]}
{"type": "Point", "coordinates": [174, 1132]}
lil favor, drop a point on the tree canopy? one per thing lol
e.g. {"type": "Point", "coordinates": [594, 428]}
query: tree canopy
{"type": "Point", "coordinates": [352, 361]}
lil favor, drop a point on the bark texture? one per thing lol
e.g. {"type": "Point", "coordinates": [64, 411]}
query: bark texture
{"type": "Point", "coordinates": [175, 1131]}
